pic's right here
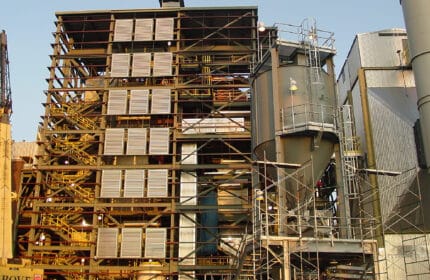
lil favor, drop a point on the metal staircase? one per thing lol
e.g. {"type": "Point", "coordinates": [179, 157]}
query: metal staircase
{"type": "Point", "coordinates": [74, 149]}
{"type": "Point", "coordinates": [72, 183]}
{"type": "Point", "coordinates": [63, 225]}
{"type": "Point", "coordinates": [75, 114]}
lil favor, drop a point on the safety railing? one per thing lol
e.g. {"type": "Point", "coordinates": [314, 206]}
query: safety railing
{"type": "Point", "coordinates": [308, 116]}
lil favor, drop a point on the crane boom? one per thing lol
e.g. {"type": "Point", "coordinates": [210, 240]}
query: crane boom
{"type": "Point", "coordinates": [5, 155]}
{"type": "Point", "coordinates": [5, 90]}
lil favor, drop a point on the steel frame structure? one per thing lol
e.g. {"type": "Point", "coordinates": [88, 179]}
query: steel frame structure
{"type": "Point", "coordinates": [62, 206]}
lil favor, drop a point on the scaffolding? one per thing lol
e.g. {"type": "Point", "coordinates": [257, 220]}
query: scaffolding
{"type": "Point", "coordinates": [144, 163]}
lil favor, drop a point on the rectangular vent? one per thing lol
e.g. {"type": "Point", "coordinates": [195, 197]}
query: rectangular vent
{"type": "Point", "coordinates": [162, 64]}
{"type": "Point", "coordinates": [144, 29]}
{"type": "Point", "coordinates": [139, 102]}
{"type": "Point", "coordinates": [160, 101]}
{"type": "Point", "coordinates": [107, 243]}
{"type": "Point", "coordinates": [114, 141]}
{"type": "Point", "coordinates": [111, 183]}
{"type": "Point", "coordinates": [134, 183]}
{"type": "Point", "coordinates": [155, 243]}
{"type": "Point", "coordinates": [136, 141]}
{"type": "Point", "coordinates": [164, 29]}
{"type": "Point", "coordinates": [157, 183]}
{"type": "Point", "coordinates": [123, 30]}
{"type": "Point", "coordinates": [141, 65]}
{"type": "Point", "coordinates": [131, 243]}
{"type": "Point", "coordinates": [159, 141]}
{"type": "Point", "coordinates": [117, 102]}
{"type": "Point", "coordinates": [120, 65]}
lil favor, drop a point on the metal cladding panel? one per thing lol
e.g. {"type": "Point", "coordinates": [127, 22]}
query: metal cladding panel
{"type": "Point", "coordinates": [114, 141]}
{"type": "Point", "coordinates": [139, 102]}
{"type": "Point", "coordinates": [111, 183]}
{"type": "Point", "coordinates": [123, 30]}
{"type": "Point", "coordinates": [392, 78]}
{"type": "Point", "coordinates": [394, 146]}
{"type": "Point", "coordinates": [107, 243]}
{"type": "Point", "coordinates": [134, 183]}
{"type": "Point", "coordinates": [136, 142]}
{"type": "Point", "coordinates": [144, 29]}
{"type": "Point", "coordinates": [164, 29]}
{"type": "Point", "coordinates": [380, 48]}
{"type": "Point", "coordinates": [161, 101]}
{"type": "Point", "coordinates": [159, 141]}
{"type": "Point", "coordinates": [343, 84]}
{"type": "Point", "coordinates": [157, 183]}
{"type": "Point", "coordinates": [187, 239]}
{"type": "Point", "coordinates": [354, 62]}
{"type": "Point", "coordinates": [162, 64]}
{"type": "Point", "coordinates": [188, 189]}
{"type": "Point", "coordinates": [155, 243]}
{"type": "Point", "coordinates": [141, 65]}
{"type": "Point", "coordinates": [406, 256]}
{"type": "Point", "coordinates": [117, 102]}
{"type": "Point", "coordinates": [131, 243]}
{"type": "Point", "coordinates": [120, 65]}
{"type": "Point", "coordinates": [189, 153]}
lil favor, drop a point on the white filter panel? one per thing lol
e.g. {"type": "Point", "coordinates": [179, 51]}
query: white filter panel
{"type": "Point", "coordinates": [120, 65]}
{"type": "Point", "coordinates": [144, 29]}
{"type": "Point", "coordinates": [162, 64]}
{"type": "Point", "coordinates": [189, 153]}
{"type": "Point", "coordinates": [139, 101]}
{"type": "Point", "coordinates": [157, 183]}
{"type": "Point", "coordinates": [123, 30]}
{"type": "Point", "coordinates": [107, 243]}
{"type": "Point", "coordinates": [164, 29]}
{"type": "Point", "coordinates": [117, 102]}
{"type": "Point", "coordinates": [136, 142]}
{"type": "Point", "coordinates": [111, 184]}
{"type": "Point", "coordinates": [114, 141]}
{"type": "Point", "coordinates": [134, 183]}
{"type": "Point", "coordinates": [131, 243]}
{"type": "Point", "coordinates": [213, 125]}
{"type": "Point", "coordinates": [161, 101]}
{"type": "Point", "coordinates": [141, 65]}
{"type": "Point", "coordinates": [159, 141]}
{"type": "Point", "coordinates": [187, 239]}
{"type": "Point", "coordinates": [155, 243]}
{"type": "Point", "coordinates": [188, 188]}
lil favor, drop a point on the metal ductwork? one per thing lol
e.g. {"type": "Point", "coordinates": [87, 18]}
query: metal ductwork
{"type": "Point", "coordinates": [417, 21]}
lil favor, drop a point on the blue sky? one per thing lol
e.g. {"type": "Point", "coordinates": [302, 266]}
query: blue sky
{"type": "Point", "coordinates": [29, 26]}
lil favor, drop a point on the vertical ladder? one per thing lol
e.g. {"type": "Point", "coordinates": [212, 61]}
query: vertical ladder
{"type": "Point", "coordinates": [310, 41]}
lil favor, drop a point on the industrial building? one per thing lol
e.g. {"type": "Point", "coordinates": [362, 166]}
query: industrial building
{"type": "Point", "coordinates": [197, 143]}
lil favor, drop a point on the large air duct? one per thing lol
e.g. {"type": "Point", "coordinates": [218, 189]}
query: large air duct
{"type": "Point", "coordinates": [417, 21]}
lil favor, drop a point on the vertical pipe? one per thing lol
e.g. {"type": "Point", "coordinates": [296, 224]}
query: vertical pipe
{"type": "Point", "coordinates": [371, 162]}
{"type": "Point", "coordinates": [417, 21]}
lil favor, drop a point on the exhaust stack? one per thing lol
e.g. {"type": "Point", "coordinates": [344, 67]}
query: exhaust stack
{"type": "Point", "coordinates": [417, 21]}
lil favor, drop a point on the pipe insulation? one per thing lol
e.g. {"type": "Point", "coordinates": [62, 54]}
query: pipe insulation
{"type": "Point", "coordinates": [417, 21]}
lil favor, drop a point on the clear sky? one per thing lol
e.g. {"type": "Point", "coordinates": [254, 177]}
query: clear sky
{"type": "Point", "coordinates": [29, 26]}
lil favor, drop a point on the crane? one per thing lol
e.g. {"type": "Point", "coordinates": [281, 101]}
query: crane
{"type": "Point", "coordinates": [5, 155]}
{"type": "Point", "coordinates": [5, 90]}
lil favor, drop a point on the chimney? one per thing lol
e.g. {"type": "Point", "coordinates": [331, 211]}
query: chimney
{"type": "Point", "coordinates": [171, 3]}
